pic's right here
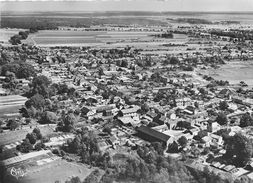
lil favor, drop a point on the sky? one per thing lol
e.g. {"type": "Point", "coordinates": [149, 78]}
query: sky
{"type": "Point", "coordinates": [129, 5]}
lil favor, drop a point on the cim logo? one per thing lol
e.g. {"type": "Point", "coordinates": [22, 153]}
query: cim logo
{"type": "Point", "coordinates": [17, 172]}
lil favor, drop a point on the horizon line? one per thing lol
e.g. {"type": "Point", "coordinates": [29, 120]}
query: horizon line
{"type": "Point", "coordinates": [143, 11]}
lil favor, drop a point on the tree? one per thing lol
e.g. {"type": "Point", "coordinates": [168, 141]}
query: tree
{"type": "Point", "coordinates": [182, 141]}
{"type": "Point", "coordinates": [86, 146]}
{"type": "Point", "coordinates": [173, 148]}
{"type": "Point", "coordinates": [174, 60]}
{"type": "Point", "coordinates": [25, 71]}
{"type": "Point", "coordinates": [12, 124]}
{"type": "Point", "coordinates": [223, 105]}
{"type": "Point", "coordinates": [32, 112]}
{"type": "Point", "coordinates": [23, 34]}
{"type": "Point", "coordinates": [124, 63]}
{"type": "Point", "coordinates": [144, 108]}
{"type": "Point", "coordinates": [23, 112]}
{"type": "Point", "coordinates": [100, 71]}
{"type": "Point", "coordinates": [166, 62]}
{"type": "Point", "coordinates": [106, 158]}
{"type": "Point", "coordinates": [202, 133]}
{"type": "Point", "coordinates": [25, 146]}
{"type": "Point", "coordinates": [238, 150]}
{"type": "Point", "coordinates": [68, 121]}
{"type": "Point", "coordinates": [10, 67]}
{"type": "Point", "coordinates": [39, 146]}
{"type": "Point", "coordinates": [62, 88]}
{"type": "Point", "coordinates": [36, 101]}
{"type": "Point", "coordinates": [196, 105]}
{"type": "Point", "coordinates": [224, 133]}
{"type": "Point", "coordinates": [107, 130]}
{"type": "Point", "coordinates": [202, 91]}
{"type": "Point", "coordinates": [156, 77]}
{"type": "Point", "coordinates": [246, 120]}
{"type": "Point", "coordinates": [144, 170]}
{"type": "Point", "coordinates": [206, 151]}
{"type": "Point", "coordinates": [84, 111]}
{"type": "Point", "coordinates": [10, 81]}
{"type": "Point", "coordinates": [158, 147]}
{"type": "Point", "coordinates": [48, 118]}
{"type": "Point", "coordinates": [32, 137]}
{"type": "Point", "coordinates": [41, 80]}
{"type": "Point", "coordinates": [38, 133]}
{"type": "Point", "coordinates": [40, 85]}
{"type": "Point", "coordinates": [15, 40]}
{"type": "Point", "coordinates": [222, 118]}
{"type": "Point", "coordinates": [74, 180]}
{"type": "Point", "coordinates": [20, 69]}
{"type": "Point", "coordinates": [71, 92]}
{"type": "Point", "coordinates": [105, 94]}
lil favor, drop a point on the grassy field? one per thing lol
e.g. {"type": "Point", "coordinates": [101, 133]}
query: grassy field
{"type": "Point", "coordinates": [64, 40]}
{"type": "Point", "coordinates": [11, 104]}
{"type": "Point", "coordinates": [234, 72]}
{"type": "Point", "coordinates": [58, 170]}
{"type": "Point", "coordinates": [13, 136]}
{"type": "Point", "coordinates": [9, 110]}
{"type": "Point", "coordinates": [60, 37]}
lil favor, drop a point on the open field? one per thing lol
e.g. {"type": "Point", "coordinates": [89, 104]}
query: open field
{"type": "Point", "coordinates": [234, 72]}
{"type": "Point", "coordinates": [11, 104]}
{"type": "Point", "coordinates": [140, 39]}
{"type": "Point", "coordinates": [81, 37]}
{"type": "Point", "coordinates": [13, 136]}
{"type": "Point", "coordinates": [58, 170]}
{"type": "Point", "coordinates": [9, 110]}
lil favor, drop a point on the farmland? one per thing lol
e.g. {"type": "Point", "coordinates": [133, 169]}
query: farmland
{"type": "Point", "coordinates": [11, 104]}
{"type": "Point", "coordinates": [62, 37]}
{"type": "Point", "coordinates": [116, 38]}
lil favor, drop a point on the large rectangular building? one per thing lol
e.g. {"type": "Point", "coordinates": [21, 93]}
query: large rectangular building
{"type": "Point", "coordinates": [152, 135]}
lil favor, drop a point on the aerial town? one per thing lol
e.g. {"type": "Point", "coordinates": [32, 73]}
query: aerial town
{"type": "Point", "coordinates": [145, 109]}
